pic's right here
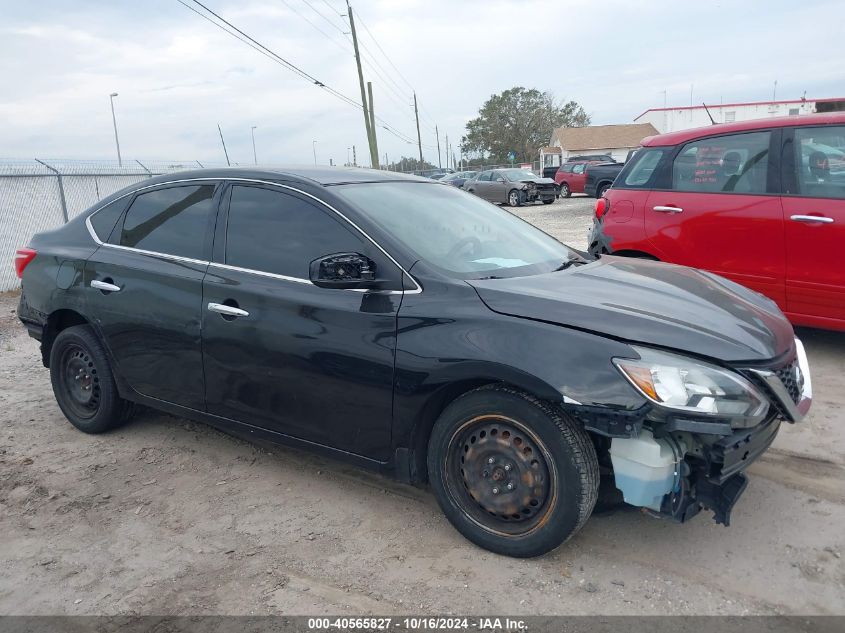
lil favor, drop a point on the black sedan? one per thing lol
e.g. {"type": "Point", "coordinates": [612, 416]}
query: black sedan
{"type": "Point", "coordinates": [413, 328]}
{"type": "Point", "coordinates": [458, 178]}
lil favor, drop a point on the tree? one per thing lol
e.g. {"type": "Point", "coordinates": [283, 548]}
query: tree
{"type": "Point", "coordinates": [406, 164]}
{"type": "Point", "coordinates": [519, 120]}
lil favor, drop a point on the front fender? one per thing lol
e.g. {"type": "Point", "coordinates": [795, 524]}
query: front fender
{"type": "Point", "coordinates": [447, 336]}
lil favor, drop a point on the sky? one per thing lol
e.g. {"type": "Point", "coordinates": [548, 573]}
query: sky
{"type": "Point", "coordinates": [178, 76]}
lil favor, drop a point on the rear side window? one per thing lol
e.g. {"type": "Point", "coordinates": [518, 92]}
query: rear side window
{"type": "Point", "coordinates": [642, 167]}
{"type": "Point", "coordinates": [485, 175]}
{"type": "Point", "coordinates": [278, 233]}
{"type": "Point", "coordinates": [567, 168]}
{"type": "Point", "coordinates": [172, 221]}
{"type": "Point", "coordinates": [103, 221]}
{"type": "Point", "coordinates": [724, 164]}
{"type": "Point", "coordinates": [820, 161]}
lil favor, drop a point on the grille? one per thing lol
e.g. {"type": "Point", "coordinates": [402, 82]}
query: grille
{"type": "Point", "coordinates": [787, 375]}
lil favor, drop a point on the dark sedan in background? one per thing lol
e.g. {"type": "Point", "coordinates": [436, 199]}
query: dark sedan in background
{"type": "Point", "coordinates": [415, 329]}
{"type": "Point", "coordinates": [512, 186]}
{"type": "Point", "coordinates": [458, 179]}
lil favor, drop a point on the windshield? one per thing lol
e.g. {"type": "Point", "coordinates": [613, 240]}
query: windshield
{"type": "Point", "coordinates": [455, 231]}
{"type": "Point", "coordinates": [517, 174]}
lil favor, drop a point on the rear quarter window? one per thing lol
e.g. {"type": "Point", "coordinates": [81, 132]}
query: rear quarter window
{"type": "Point", "coordinates": [640, 170]}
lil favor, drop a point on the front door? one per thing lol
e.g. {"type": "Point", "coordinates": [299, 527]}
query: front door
{"type": "Point", "coordinates": [144, 290]}
{"type": "Point", "coordinates": [814, 210]}
{"type": "Point", "coordinates": [313, 363]}
{"type": "Point", "coordinates": [722, 212]}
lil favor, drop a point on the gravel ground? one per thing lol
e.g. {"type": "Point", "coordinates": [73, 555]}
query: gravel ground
{"type": "Point", "coordinates": [167, 516]}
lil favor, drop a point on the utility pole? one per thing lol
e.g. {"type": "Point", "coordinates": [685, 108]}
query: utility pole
{"type": "Point", "coordinates": [447, 151]}
{"type": "Point", "coordinates": [374, 148]}
{"type": "Point", "coordinates": [114, 122]}
{"type": "Point", "coordinates": [254, 155]}
{"type": "Point", "coordinates": [224, 145]}
{"type": "Point", "coordinates": [367, 119]}
{"type": "Point", "coordinates": [437, 135]}
{"type": "Point", "coordinates": [354, 157]}
{"type": "Point", "coordinates": [385, 161]}
{"type": "Point", "coordinates": [419, 138]}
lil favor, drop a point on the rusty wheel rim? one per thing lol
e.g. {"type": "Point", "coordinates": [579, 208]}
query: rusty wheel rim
{"type": "Point", "coordinates": [501, 475]}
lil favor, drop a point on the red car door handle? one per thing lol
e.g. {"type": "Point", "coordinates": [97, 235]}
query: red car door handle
{"type": "Point", "coordinates": [811, 218]}
{"type": "Point", "coordinates": [668, 209]}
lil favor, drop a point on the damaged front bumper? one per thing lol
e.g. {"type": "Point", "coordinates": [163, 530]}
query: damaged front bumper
{"type": "Point", "coordinates": [676, 466]}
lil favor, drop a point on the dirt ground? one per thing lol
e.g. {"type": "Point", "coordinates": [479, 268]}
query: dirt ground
{"type": "Point", "coordinates": [166, 516]}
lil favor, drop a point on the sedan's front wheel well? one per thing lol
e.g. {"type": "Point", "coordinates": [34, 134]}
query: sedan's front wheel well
{"type": "Point", "coordinates": [418, 442]}
{"type": "Point", "coordinates": [56, 322]}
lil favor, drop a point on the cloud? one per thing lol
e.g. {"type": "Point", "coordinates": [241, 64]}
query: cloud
{"type": "Point", "coordinates": [178, 76]}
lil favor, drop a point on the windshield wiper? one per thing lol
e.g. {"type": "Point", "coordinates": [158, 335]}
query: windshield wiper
{"type": "Point", "coordinates": [568, 263]}
{"type": "Point", "coordinates": [490, 277]}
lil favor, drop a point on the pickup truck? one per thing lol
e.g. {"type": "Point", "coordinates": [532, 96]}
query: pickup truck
{"type": "Point", "coordinates": [600, 176]}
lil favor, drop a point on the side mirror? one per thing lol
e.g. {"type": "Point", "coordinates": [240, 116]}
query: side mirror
{"type": "Point", "coordinates": [344, 270]}
{"type": "Point", "coordinates": [500, 179]}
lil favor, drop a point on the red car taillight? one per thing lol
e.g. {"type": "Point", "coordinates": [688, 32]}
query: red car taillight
{"type": "Point", "coordinates": [601, 207]}
{"type": "Point", "coordinates": [22, 258]}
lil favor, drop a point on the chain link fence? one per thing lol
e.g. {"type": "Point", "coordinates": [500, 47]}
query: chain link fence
{"type": "Point", "coordinates": [41, 194]}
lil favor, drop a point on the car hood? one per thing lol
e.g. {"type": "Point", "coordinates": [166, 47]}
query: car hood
{"type": "Point", "coordinates": [651, 303]}
{"type": "Point", "coordinates": [538, 180]}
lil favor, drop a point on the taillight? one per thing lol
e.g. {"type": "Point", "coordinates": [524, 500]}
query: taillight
{"type": "Point", "coordinates": [601, 207]}
{"type": "Point", "coordinates": [22, 258]}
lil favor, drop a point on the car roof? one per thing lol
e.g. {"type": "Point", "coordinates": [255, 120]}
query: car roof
{"type": "Point", "coordinates": [682, 136]}
{"type": "Point", "coordinates": [315, 175]}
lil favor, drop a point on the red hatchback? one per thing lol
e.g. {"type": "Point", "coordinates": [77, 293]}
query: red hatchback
{"type": "Point", "coordinates": [571, 177]}
{"type": "Point", "coordinates": [759, 202]}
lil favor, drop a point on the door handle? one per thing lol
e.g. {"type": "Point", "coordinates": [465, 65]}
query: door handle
{"type": "Point", "coordinates": [668, 209]}
{"type": "Point", "coordinates": [811, 218]}
{"type": "Point", "coordinates": [222, 308]}
{"type": "Point", "coordinates": [104, 286]}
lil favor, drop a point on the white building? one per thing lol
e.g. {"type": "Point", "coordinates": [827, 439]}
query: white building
{"type": "Point", "coordinates": [686, 117]}
{"type": "Point", "coordinates": [612, 140]}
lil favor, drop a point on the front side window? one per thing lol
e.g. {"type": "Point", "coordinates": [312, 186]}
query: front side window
{"type": "Point", "coordinates": [723, 164]}
{"type": "Point", "coordinates": [275, 232]}
{"type": "Point", "coordinates": [640, 169]}
{"type": "Point", "coordinates": [171, 221]}
{"type": "Point", "coordinates": [456, 232]}
{"type": "Point", "coordinates": [820, 161]}
{"type": "Point", "coordinates": [578, 169]}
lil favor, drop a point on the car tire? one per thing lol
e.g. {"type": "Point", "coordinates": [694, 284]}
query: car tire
{"type": "Point", "coordinates": [602, 190]}
{"type": "Point", "coordinates": [565, 192]}
{"type": "Point", "coordinates": [512, 473]}
{"type": "Point", "coordinates": [548, 200]}
{"type": "Point", "coordinates": [83, 382]}
{"type": "Point", "coordinates": [515, 198]}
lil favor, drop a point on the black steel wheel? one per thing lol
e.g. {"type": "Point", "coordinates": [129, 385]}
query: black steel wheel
{"type": "Point", "coordinates": [511, 472]}
{"type": "Point", "coordinates": [83, 382]}
{"type": "Point", "coordinates": [603, 190]}
{"type": "Point", "coordinates": [501, 473]}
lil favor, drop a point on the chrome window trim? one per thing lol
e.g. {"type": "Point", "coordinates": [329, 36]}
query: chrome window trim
{"type": "Point", "coordinates": [177, 258]}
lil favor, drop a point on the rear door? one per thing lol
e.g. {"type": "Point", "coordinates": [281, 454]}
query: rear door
{"type": "Point", "coordinates": [312, 363]}
{"type": "Point", "coordinates": [814, 208]}
{"type": "Point", "coordinates": [144, 290]}
{"type": "Point", "coordinates": [481, 186]}
{"type": "Point", "coordinates": [722, 211]}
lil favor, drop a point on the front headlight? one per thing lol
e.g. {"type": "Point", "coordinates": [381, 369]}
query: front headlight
{"type": "Point", "coordinates": [684, 384]}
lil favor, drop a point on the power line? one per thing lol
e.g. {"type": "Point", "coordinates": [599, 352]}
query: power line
{"type": "Point", "coordinates": [370, 60]}
{"type": "Point", "coordinates": [256, 45]}
{"type": "Point", "coordinates": [342, 46]}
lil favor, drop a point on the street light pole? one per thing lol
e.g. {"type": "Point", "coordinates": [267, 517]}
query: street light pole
{"type": "Point", "coordinates": [348, 161]}
{"type": "Point", "coordinates": [254, 155]}
{"type": "Point", "coordinates": [314, 148]}
{"type": "Point", "coordinates": [114, 122]}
